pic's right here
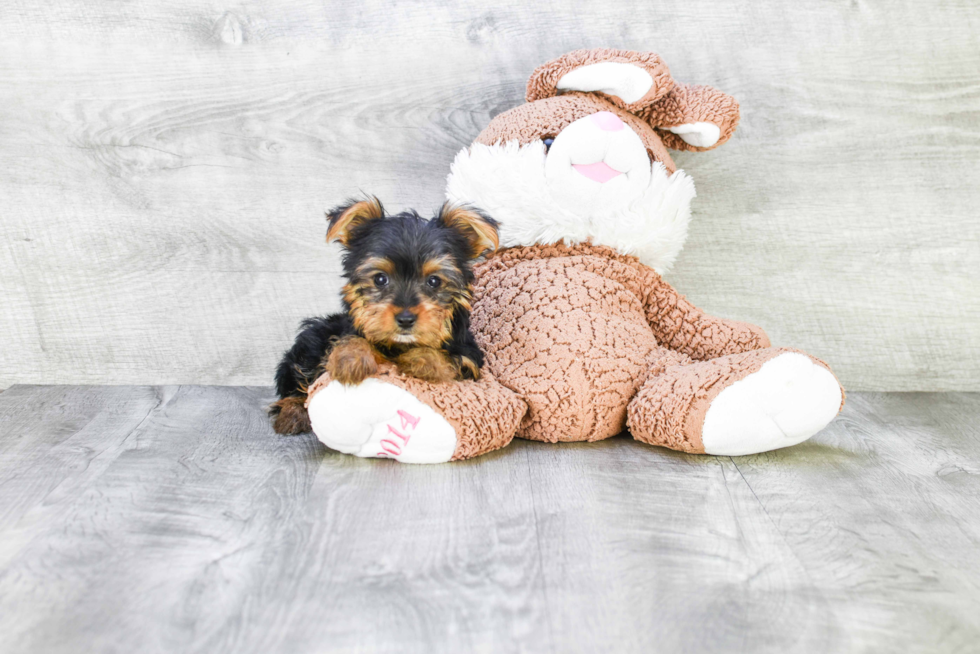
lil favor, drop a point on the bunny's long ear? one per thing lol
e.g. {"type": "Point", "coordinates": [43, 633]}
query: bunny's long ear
{"type": "Point", "coordinates": [343, 219]}
{"type": "Point", "coordinates": [695, 118]}
{"type": "Point", "coordinates": [631, 80]}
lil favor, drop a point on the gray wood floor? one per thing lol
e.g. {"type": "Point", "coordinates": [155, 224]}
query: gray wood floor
{"type": "Point", "coordinates": [151, 519]}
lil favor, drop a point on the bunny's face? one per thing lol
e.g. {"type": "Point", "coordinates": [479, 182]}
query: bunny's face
{"type": "Point", "coordinates": [585, 158]}
{"type": "Point", "coordinates": [592, 156]}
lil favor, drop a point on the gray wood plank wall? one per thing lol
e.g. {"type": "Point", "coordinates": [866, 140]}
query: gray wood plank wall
{"type": "Point", "coordinates": [164, 167]}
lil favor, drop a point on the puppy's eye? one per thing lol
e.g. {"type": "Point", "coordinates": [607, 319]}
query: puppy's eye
{"type": "Point", "coordinates": [547, 143]}
{"type": "Point", "coordinates": [433, 282]}
{"type": "Point", "coordinates": [381, 280]}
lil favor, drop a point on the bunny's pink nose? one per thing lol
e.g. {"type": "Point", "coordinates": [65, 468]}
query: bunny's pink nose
{"type": "Point", "coordinates": [608, 121]}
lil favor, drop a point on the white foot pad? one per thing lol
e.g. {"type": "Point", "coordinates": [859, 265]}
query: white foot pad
{"type": "Point", "coordinates": [377, 419]}
{"type": "Point", "coordinates": [700, 135]}
{"type": "Point", "coordinates": [785, 402]}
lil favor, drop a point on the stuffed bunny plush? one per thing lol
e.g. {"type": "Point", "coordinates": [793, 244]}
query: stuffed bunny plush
{"type": "Point", "coordinates": [582, 336]}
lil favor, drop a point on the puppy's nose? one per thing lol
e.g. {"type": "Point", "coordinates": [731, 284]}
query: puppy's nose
{"type": "Point", "coordinates": [405, 319]}
{"type": "Point", "coordinates": [608, 121]}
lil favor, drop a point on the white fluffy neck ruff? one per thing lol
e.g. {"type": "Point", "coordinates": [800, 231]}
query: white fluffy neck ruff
{"type": "Point", "coordinates": [508, 181]}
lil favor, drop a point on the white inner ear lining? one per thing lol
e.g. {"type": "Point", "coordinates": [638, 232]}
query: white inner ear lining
{"type": "Point", "coordinates": [626, 81]}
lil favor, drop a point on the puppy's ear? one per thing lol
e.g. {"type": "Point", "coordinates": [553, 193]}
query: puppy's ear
{"type": "Point", "coordinates": [479, 229]}
{"type": "Point", "coordinates": [342, 220]}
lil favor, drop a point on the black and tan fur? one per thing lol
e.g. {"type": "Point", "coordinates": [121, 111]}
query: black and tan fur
{"type": "Point", "coordinates": [407, 301]}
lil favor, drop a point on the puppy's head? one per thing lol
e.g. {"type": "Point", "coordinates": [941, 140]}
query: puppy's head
{"type": "Point", "coordinates": [408, 277]}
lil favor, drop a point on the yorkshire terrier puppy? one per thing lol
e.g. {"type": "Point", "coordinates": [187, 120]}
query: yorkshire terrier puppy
{"type": "Point", "coordinates": [406, 300]}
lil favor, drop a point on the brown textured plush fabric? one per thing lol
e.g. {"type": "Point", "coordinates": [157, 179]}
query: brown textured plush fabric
{"type": "Point", "coordinates": [531, 122]}
{"type": "Point", "coordinates": [544, 80]}
{"type": "Point", "coordinates": [675, 322]}
{"type": "Point", "coordinates": [692, 104]}
{"type": "Point", "coordinates": [575, 330]}
{"type": "Point", "coordinates": [669, 410]}
{"type": "Point", "coordinates": [484, 414]}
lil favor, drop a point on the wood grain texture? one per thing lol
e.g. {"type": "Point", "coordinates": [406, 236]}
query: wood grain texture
{"type": "Point", "coordinates": [166, 165]}
{"type": "Point", "coordinates": [163, 519]}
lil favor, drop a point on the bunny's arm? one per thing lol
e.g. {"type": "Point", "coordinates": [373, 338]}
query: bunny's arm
{"type": "Point", "coordinates": [682, 327]}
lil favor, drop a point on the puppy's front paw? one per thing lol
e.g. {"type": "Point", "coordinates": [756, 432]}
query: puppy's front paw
{"type": "Point", "coordinates": [427, 364]}
{"type": "Point", "coordinates": [352, 360]}
{"type": "Point", "coordinates": [290, 416]}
